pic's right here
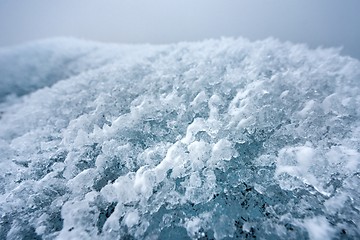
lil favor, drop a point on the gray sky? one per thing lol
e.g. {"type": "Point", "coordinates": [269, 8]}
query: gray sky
{"type": "Point", "coordinates": [315, 22]}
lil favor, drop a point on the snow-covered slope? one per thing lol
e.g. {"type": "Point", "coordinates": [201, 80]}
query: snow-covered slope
{"type": "Point", "coordinates": [216, 139]}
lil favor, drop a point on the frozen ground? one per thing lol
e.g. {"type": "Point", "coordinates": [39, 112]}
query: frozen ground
{"type": "Point", "coordinates": [216, 139]}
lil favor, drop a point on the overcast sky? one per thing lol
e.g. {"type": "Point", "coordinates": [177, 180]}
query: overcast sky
{"type": "Point", "coordinates": [315, 22]}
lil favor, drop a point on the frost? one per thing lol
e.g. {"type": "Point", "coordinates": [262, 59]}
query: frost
{"type": "Point", "coordinates": [215, 139]}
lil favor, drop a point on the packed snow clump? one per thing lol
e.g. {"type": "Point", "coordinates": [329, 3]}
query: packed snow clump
{"type": "Point", "coordinates": [209, 140]}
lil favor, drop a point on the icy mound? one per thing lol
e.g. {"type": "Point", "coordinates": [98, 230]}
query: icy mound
{"type": "Point", "coordinates": [216, 139]}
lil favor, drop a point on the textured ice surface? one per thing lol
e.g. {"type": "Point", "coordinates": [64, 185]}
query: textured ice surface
{"type": "Point", "coordinates": [215, 139]}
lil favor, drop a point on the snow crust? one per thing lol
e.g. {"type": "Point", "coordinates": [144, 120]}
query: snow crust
{"type": "Point", "coordinates": [215, 139]}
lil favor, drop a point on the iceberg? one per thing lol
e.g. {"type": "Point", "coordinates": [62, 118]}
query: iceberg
{"type": "Point", "coordinates": [218, 139]}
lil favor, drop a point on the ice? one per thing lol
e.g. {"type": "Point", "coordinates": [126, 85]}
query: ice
{"type": "Point", "coordinates": [45, 62]}
{"type": "Point", "coordinates": [131, 219]}
{"type": "Point", "coordinates": [215, 139]}
{"type": "Point", "coordinates": [319, 228]}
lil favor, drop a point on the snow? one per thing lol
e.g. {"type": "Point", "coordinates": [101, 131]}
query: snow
{"type": "Point", "coordinates": [215, 139]}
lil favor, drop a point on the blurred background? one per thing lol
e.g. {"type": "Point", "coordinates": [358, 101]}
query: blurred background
{"type": "Point", "coordinates": [327, 23]}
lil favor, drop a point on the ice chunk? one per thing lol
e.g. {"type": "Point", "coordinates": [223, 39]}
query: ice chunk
{"type": "Point", "coordinates": [222, 150]}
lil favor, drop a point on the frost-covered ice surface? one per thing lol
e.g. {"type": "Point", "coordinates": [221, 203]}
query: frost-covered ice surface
{"type": "Point", "coordinates": [215, 139]}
